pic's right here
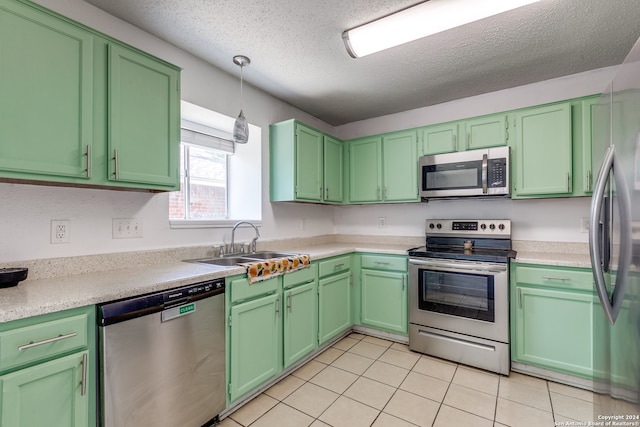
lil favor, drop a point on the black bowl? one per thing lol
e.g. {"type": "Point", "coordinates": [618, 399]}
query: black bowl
{"type": "Point", "coordinates": [11, 276]}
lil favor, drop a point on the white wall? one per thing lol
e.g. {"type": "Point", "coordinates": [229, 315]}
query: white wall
{"type": "Point", "coordinates": [541, 219]}
{"type": "Point", "coordinates": [26, 210]}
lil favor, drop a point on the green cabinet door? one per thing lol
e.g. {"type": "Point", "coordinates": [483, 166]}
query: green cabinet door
{"type": "Point", "coordinates": [333, 170]}
{"type": "Point", "coordinates": [553, 329]}
{"type": "Point", "coordinates": [256, 342]}
{"type": "Point", "coordinates": [437, 139]}
{"type": "Point", "coordinates": [334, 294]}
{"type": "Point", "coordinates": [300, 322]}
{"type": "Point", "coordinates": [400, 167]}
{"type": "Point", "coordinates": [541, 154]}
{"type": "Point", "coordinates": [52, 394]}
{"type": "Point", "coordinates": [485, 132]}
{"type": "Point", "coordinates": [143, 120]}
{"type": "Point", "coordinates": [308, 163]}
{"type": "Point", "coordinates": [384, 300]}
{"type": "Point", "coordinates": [365, 174]}
{"type": "Point", "coordinates": [46, 95]}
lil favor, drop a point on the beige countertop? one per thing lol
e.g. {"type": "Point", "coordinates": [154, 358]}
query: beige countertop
{"type": "Point", "coordinates": [51, 294]}
{"type": "Point", "coordinates": [554, 259]}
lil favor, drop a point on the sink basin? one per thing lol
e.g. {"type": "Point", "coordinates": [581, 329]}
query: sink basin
{"type": "Point", "coordinates": [268, 255]}
{"type": "Point", "coordinates": [223, 261]}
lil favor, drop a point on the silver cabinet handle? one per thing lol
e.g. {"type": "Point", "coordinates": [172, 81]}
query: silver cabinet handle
{"type": "Point", "coordinates": [562, 279]}
{"type": "Point", "coordinates": [115, 165]}
{"type": "Point", "coordinates": [378, 193]}
{"type": "Point", "coordinates": [381, 263]}
{"type": "Point", "coordinates": [454, 141]}
{"type": "Point", "coordinates": [83, 381]}
{"type": "Point", "coordinates": [337, 266]}
{"type": "Point", "coordinates": [404, 278]}
{"type": "Point", "coordinates": [327, 191]}
{"type": "Point", "coordinates": [88, 161]}
{"type": "Point", "coordinates": [568, 182]}
{"type": "Point", "coordinates": [589, 180]}
{"type": "Point", "coordinates": [47, 341]}
{"type": "Point", "coordinates": [289, 303]}
{"type": "Point", "coordinates": [385, 193]}
{"type": "Point", "coordinates": [519, 297]}
{"type": "Point", "coordinates": [278, 306]}
{"type": "Point", "coordinates": [485, 173]}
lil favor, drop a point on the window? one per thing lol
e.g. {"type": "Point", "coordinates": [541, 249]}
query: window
{"type": "Point", "coordinates": [220, 182]}
{"type": "Point", "coordinates": [203, 183]}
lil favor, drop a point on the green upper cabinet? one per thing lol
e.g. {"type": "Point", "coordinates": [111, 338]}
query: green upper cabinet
{"type": "Point", "coordinates": [365, 169]}
{"type": "Point", "coordinates": [333, 170]}
{"type": "Point", "coordinates": [306, 165]}
{"type": "Point", "coordinates": [485, 132]}
{"type": "Point", "coordinates": [71, 98]}
{"type": "Point", "coordinates": [46, 95]}
{"type": "Point", "coordinates": [143, 135]}
{"type": "Point", "coordinates": [400, 167]}
{"type": "Point", "coordinates": [541, 155]}
{"type": "Point", "coordinates": [384, 168]}
{"type": "Point", "coordinates": [438, 139]}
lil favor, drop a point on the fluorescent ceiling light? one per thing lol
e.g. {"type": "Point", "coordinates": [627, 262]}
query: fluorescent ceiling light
{"type": "Point", "coordinates": [420, 21]}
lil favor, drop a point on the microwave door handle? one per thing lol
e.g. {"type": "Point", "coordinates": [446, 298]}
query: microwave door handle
{"type": "Point", "coordinates": [484, 173]}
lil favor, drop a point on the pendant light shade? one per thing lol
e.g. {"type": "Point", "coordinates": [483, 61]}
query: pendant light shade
{"type": "Point", "coordinates": [241, 127]}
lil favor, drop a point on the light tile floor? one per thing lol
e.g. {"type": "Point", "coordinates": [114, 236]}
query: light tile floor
{"type": "Point", "coordinates": [367, 381]}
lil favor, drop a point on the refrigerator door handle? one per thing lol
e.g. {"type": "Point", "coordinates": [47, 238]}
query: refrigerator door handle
{"type": "Point", "coordinates": [595, 250]}
{"type": "Point", "coordinates": [611, 306]}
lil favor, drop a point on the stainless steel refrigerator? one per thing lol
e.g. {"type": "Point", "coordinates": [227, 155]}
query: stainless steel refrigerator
{"type": "Point", "coordinates": [614, 243]}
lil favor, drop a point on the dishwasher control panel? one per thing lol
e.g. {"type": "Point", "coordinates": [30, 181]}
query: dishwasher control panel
{"type": "Point", "coordinates": [194, 290]}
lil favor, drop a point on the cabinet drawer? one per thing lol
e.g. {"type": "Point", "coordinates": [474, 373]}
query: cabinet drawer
{"type": "Point", "coordinates": [299, 277]}
{"type": "Point", "coordinates": [29, 344]}
{"type": "Point", "coordinates": [334, 265]}
{"type": "Point", "coordinates": [379, 262]}
{"type": "Point", "coordinates": [561, 277]}
{"type": "Point", "coordinates": [242, 290]}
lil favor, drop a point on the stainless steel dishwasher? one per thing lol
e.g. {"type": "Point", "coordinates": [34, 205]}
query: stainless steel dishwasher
{"type": "Point", "coordinates": [162, 358]}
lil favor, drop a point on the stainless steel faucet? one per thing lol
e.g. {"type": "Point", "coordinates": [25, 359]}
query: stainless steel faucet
{"type": "Point", "coordinates": [253, 242]}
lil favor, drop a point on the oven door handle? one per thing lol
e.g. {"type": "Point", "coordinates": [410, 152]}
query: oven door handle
{"type": "Point", "coordinates": [496, 268]}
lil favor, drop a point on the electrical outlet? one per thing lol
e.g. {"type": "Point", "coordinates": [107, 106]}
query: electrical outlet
{"type": "Point", "coordinates": [382, 222]}
{"type": "Point", "coordinates": [127, 228]}
{"type": "Point", "coordinates": [584, 225]}
{"type": "Point", "coordinates": [59, 231]}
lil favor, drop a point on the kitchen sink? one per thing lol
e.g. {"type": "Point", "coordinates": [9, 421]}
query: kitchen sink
{"type": "Point", "coordinates": [231, 261]}
{"type": "Point", "coordinates": [223, 261]}
{"type": "Point", "coordinates": [268, 255]}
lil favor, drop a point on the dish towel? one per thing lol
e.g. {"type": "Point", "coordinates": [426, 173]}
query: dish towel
{"type": "Point", "coordinates": [258, 271]}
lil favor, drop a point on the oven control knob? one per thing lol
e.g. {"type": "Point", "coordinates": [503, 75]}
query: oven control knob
{"type": "Point", "coordinates": [439, 226]}
{"type": "Point", "coordinates": [501, 226]}
{"type": "Point", "coordinates": [483, 226]}
{"type": "Point", "coordinates": [492, 226]}
{"type": "Point", "coordinates": [431, 226]}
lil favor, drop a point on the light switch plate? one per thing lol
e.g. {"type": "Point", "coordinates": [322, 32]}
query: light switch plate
{"type": "Point", "coordinates": [127, 228]}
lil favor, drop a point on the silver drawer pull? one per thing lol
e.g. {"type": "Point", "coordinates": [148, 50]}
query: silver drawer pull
{"type": "Point", "coordinates": [337, 266]}
{"type": "Point", "coordinates": [83, 380]}
{"type": "Point", "coordinates": [562, 279]}
{"type": "Point", "coordinates": [47, 341]}
{"type": "Point", "coordinates": [381, 263]}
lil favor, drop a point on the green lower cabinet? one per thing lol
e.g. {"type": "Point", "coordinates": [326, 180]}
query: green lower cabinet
{"type": "Point", "coordinates": [334, 306]}
{"type": "Point", "coordinates": [49, 394]}
{"type": "Point", "coordinates": [553, 318]}
{"type": "Point", "coordinates": [300, 328]}
{"type": "Point", "coordinates": [554, 330]}
{"type": "Point", "coordinates": [384, 300]}
{"type": "Point", "coordinates": [255, 343]}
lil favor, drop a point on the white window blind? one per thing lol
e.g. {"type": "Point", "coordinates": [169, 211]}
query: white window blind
{"type": "Point", "coordinates": [199, 134]}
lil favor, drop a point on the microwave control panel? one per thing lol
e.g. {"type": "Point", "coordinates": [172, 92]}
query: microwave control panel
{"type": "Point", "coordinates": [497, 173]}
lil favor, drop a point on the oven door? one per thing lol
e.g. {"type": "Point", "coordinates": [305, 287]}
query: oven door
{"type": "Point", "coordinates": [470, 298]}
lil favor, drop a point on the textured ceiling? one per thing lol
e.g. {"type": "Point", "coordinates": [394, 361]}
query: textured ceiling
{"type": "Point", "coordinates": [297, 53]}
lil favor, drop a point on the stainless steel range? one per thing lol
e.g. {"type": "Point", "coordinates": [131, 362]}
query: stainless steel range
{"type": "Point", "coordinates": [459, 293]}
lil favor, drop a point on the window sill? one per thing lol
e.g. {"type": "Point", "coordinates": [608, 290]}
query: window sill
{"type": "Point", "coordinates": [196, 223]}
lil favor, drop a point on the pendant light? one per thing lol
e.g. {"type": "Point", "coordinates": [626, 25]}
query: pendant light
{"type": "Point", "coordinates": [241, 127]}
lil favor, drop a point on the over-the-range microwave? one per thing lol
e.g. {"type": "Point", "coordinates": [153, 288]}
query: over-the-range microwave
{"type": "Point", "coordinates": [483, 172]}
